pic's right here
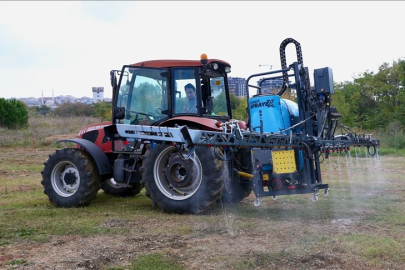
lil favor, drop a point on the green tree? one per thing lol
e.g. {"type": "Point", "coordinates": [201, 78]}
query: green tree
{"type": "Point", "coordinates": [103, 110]}
{"type": "Point", "coordinates": [239, 107]}
{"type": "Point", "coordinates": [346, 99]}
{"type": "Point", "coordinates": [74, 109]}
{"type": "Point", "coordinates": [148, 97]}
{"type": "Point", "coordinates": [43, 110]}
{"type": "Point", "coordinates": [373, 100]}
{"type": "Point", "coordinates": [343, 107]}
{"type": "Point", "coordinates": [13, 114]}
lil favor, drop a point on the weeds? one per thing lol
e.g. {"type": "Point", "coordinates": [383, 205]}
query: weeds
{"type": "Point", "coordinates": [155, 261]}
{"type": "Point", "coordinates": [394, 136]}
{"type": "Point", "coordinates": [17, 262]}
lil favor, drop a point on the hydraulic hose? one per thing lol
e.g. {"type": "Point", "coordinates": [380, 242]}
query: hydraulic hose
{"type": "Point", "coordinates": [243, 174]}
{"type": "Point", "coordinates": [374, 149]}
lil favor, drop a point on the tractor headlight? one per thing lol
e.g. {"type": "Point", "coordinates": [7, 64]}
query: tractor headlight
{"type": "Point", "coordinates": [227, 69]}
{"type": "Point", "coordinates": [215, 66]}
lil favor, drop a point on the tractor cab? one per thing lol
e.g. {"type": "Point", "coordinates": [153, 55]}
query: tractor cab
{"type": "Point", "coordinates": [153, 92]}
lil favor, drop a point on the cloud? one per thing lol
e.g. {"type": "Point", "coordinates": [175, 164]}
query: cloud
{"type": "Point", "coordinates": [71, 46]}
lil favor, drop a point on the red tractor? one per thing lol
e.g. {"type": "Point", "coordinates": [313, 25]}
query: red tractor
{"type": "Point", "coordinates": [154, 94]}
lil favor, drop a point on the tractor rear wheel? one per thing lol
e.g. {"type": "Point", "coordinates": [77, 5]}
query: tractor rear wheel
{"type": "Point", "coordinates": [178, 185]}
{"type": "Point", "coordinates": [70, 178]}
{"type": "Point", "coordinates": [113, 188]}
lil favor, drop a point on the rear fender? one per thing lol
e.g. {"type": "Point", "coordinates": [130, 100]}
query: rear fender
{"type": "Point", "coordinates": [101, 159]}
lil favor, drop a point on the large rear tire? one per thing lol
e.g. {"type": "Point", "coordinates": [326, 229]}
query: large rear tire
{"type": "Point", "coordinates": [70, 178]}
{"type": "Point", "coordinates": [181, 186]}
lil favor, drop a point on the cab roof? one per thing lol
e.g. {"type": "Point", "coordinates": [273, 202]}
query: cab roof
{"type": "Point", "coordinates": [176, 63]}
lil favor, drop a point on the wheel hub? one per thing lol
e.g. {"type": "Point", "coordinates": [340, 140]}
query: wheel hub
{"type": "Point", "coordinates": [70, 177]}
{"type": "Point", "coordinates": [177, 178]}
{"type": "Point", "coordinates": [179, 172]}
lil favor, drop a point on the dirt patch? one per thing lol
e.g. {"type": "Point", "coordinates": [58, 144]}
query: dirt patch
{"type": "Point", "coordinates": [208, 247]}
{"type": "Point", "coordinates": [70, 252]}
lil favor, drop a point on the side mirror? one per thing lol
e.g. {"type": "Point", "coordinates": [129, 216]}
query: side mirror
{"type": "Point", "coordinates": [113, 78]}
{"type": "Point", "coordinates": [119, 113]}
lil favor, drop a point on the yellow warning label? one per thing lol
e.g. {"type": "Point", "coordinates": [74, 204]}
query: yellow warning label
{"type": "Point", "coordinates": [283, 161]}
{"type": "Point", "coordinates": [265, 177]}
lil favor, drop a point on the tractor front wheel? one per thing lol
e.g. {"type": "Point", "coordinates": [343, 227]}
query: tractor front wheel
{"type": "Point", "coordinates": [70, 178]}
{"type": "Point", "coordinates": [179, 185]}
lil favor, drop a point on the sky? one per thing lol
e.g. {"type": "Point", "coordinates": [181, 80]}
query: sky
{"type": "Point", "coordinates": [69, 47]}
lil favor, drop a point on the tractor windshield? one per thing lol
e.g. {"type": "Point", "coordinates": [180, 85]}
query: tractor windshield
{"type": "Point", "coordinates": [150, 95]}
{"type": "Point", "coordinates": [143, 94]}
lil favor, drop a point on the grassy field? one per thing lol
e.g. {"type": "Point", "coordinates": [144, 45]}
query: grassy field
{"type": "Point", "coordinates": [43, 131]}
{"type": "Point", "coordinates": [359, 225]}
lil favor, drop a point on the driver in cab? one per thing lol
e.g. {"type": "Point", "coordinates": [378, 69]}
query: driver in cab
{"type": "Point", "coordinates": [190, 105]}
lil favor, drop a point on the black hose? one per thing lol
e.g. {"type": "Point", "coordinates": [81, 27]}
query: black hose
{"type": "Point", "coordinates": [188, 155]}
{"type": "Point", "coordinates": [321, 156]}
{"type": "Point", "coordinates": [375, 150]}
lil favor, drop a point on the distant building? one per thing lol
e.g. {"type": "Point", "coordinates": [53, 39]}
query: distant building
{"type": "Point", "coordinates": [237, 86]}
{"type": "Point", "coordinates": [270, 86]}
{"type": "Point", "coordinates": [85, 100]}
{"type": "Point", "coordinates": [49, 103]}
{"type": "Point", "coordinates": [98, 94]}
{"type": "Point", "coordinates": [31, 101]}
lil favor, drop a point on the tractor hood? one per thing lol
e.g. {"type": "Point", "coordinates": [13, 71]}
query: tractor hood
{"type": "Point", "coordinates": [198, 123]}
{"type": "Point", "coordinates": [98, 126]}
{"type": "Point", "coordinates": [192, 122]}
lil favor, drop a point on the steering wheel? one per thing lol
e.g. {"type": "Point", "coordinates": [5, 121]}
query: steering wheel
{"type": "Point", "coordinates": [140, 113]}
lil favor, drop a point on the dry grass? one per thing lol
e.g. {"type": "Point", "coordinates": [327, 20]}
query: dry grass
{"type": "Point", "coordinates": [44, 131]}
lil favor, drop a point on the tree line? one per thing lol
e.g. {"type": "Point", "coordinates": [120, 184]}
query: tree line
{"type": "Point", "coordinates": [375, 101]}
{"type": "Point", "coordinates": [100, 110]}
{"type": "Point", "coordinates": [14, 114]}
{"type": "Point", "coordinates": [372, 101]}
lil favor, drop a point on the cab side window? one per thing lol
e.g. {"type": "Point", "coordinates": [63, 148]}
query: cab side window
{"type": "Point", "coordinates": [186, 97]}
